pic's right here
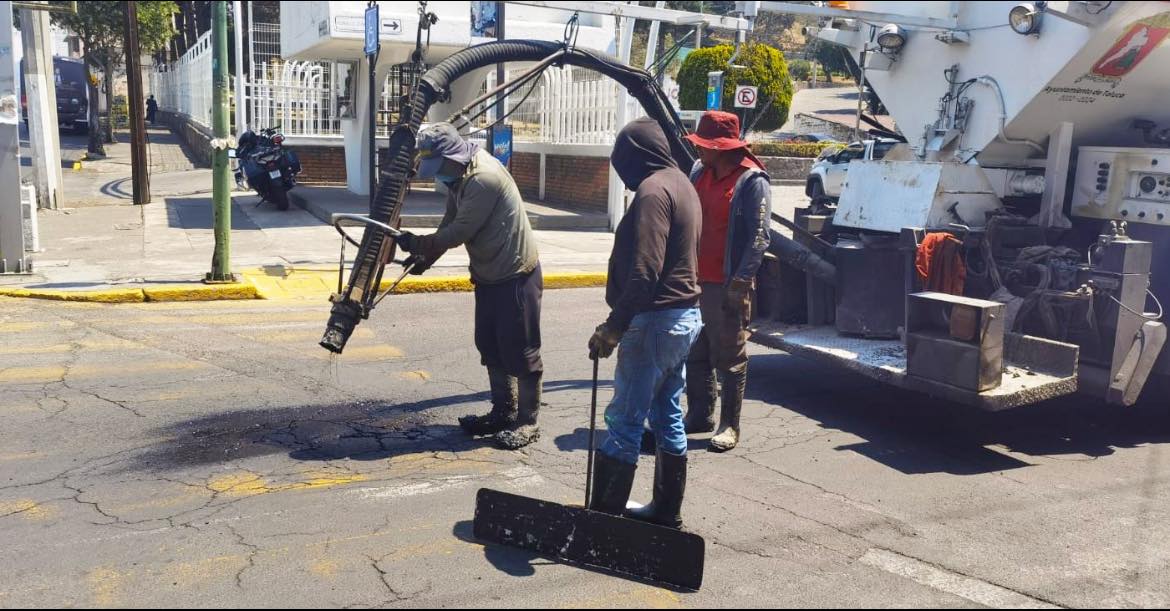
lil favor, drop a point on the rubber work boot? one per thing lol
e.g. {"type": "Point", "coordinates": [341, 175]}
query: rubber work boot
{"type": "Point", "coordinates": [525, 431]}
{"type": "Point", "coordinates": [734, 382]}
{"type": "Point", "coordinates": [503, 414]}
{"type": "Point", "coordinates": [702, 391]}
{"type": "Point", "coordinates": [612, 482]}
{"type": "Point", "coordinates": [670, 482]}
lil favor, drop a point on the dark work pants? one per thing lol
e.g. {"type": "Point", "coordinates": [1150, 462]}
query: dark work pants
{"type": "Point", "coordinates": [507, 323]}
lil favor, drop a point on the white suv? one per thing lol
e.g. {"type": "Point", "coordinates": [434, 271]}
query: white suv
{"type": "Point", "coordinates": [827, 175]}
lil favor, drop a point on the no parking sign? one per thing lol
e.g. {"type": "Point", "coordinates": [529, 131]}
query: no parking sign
{"type": "Point", "coordinates": [745, 96]}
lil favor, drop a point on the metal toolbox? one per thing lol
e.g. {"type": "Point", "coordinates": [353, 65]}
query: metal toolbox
{"type": "Point", "coordinates": [955, 340]}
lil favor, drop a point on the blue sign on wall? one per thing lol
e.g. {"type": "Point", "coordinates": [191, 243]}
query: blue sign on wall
{"type": "Point", "coordinates": [714, 90]}
{"type": "Point", "coordinates": [501, 143]}
{"type": "Point", "coordinates": [372, 30]}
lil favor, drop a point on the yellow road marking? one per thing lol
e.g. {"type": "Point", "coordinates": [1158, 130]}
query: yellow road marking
{"type": "Point", "coordinates": [419, 375]}
{"type": "Point", "coordinates": [244, 483]}
{"type": "Point", "coordinates": [105, 584]}
{"type": "Point", "coordinates": [325, 568]}
{"type": "Point", "coordinates": [27, 509]}
{"type": "Point", "coordinates": [54, 373]}
{"type": "Point", "coordinates": [20, 327]}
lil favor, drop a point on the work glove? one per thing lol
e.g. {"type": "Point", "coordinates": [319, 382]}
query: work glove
{"type": "Point", "coordinates": [604, 340]}
{"type": "Point", "coordinates": [736, 294]}
{"type": "Point", "coordinates": [417, 264]}
{"type": "Point", "coordinates": [405, 241]}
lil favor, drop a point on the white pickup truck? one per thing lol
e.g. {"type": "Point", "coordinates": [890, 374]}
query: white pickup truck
{"type": "Point", "coordinates": [827, 176]}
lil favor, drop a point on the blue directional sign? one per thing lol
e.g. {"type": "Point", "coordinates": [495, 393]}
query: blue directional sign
{"type": "Point", "coordinates": [372, 22]}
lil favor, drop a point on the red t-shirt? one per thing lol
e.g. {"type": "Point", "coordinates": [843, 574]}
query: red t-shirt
{"type": "Point", "coordinates": [715, 196]}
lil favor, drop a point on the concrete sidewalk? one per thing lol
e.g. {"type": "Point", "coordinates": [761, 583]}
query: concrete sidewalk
{"type": "Point", "coordinates": [106, 180]}
{"type": "Point", "coordinates": [119, 251]}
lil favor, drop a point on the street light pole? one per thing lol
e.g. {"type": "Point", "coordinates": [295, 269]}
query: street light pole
{"type": "Point", "coordinates": [220, 185]}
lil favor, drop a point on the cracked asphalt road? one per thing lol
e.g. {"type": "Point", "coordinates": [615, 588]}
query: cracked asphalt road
{"type": "Point", "coordinates": [212, 455]}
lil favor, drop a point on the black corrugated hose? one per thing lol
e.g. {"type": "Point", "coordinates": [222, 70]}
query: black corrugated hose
{"type": "Point", "coordinates": [356, 301]}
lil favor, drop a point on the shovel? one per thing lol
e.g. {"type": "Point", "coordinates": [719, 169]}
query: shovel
{"type": "Point", "coordinates": [588, 538]}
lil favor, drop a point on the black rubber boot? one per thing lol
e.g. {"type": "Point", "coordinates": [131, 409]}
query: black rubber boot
{"type": "Point", "coordinates": [503, 414]}
{"type": "Point", "coordinates": [734, 383]}
{"type": "Point", "coordinates": [670, 482]}
{"type": "Point", "coordinates": [612, 481]}
{"type": "Point", "coordinates": [702, 391]}
{"type": "Point", "coordinates": [525, 431]}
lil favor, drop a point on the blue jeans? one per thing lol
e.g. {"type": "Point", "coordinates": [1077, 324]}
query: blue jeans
{"type": "Point", "coordinates": [649, 382]}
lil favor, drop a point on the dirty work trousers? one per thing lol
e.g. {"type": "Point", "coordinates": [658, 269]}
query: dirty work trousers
{"type": "Point", "coordinates": [507, 323]}
{"type": "Point", "coordinates": [649, 382]}
{"type": "Point", "coordinates": [722, 344]}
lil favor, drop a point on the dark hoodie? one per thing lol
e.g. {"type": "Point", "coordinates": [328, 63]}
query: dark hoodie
{"type": "Point", "coordinates": [654, 263]}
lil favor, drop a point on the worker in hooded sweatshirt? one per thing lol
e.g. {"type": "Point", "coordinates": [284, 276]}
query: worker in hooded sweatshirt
{"type": "Point", "coordinates": [653, 294]}
{"type": "Point", "coordinates": [486, 213]}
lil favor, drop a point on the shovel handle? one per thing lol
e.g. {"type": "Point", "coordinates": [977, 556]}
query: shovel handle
{"type": "Point", "coordinates": [592, 432]}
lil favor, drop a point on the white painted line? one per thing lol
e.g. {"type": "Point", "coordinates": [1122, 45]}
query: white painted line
{"type": "Point", "coordinates": [972, 589]}
{"type": "Point", "coordinates": [517, 477]}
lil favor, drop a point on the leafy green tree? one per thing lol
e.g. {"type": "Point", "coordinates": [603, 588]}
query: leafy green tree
{"type": "Point", "coordinates": [764, 67]}
{"type": "Point", "coordinates": [100, 26]}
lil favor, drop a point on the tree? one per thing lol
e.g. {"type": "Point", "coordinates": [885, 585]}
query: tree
{"type": "Point", "coordinates": [764, 67]}
{"type": "Point", "coordinates": [100, 26]}
{"type": "Point", "coordinates": [833, 58]}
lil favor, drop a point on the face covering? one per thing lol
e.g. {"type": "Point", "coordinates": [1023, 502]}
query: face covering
{"type": "Point", "coordinates": [447, 179]}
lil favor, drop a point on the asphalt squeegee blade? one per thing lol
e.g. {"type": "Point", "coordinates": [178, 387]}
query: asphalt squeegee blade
{"type": "Point", "coordinates": [589, 538]}
{"type": "Point", "coordinates": [580, 536]}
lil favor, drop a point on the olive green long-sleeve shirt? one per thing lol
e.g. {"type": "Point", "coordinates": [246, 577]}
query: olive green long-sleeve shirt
{"type": "Point", "coordinates": [486, 213]}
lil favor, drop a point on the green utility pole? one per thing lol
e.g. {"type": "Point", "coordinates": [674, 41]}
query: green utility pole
{"type": "Point", "coordinates": [221, 192]}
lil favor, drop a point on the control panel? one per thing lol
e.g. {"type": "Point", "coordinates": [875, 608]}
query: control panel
{"type": "Point", "coordinates": [1123, 184]}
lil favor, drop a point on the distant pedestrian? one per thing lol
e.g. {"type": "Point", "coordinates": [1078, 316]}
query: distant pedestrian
{"type": "Point", "coordinates": [151, 109]}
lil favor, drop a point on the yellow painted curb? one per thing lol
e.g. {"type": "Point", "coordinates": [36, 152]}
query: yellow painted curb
{"type": "Point", "coordinates": [295, 284]}
{"type": "Point", "coordinates": [126, 295]}
{"type": "Point", "coordinates": [174, 292]}
{"type": "Point", "coordinates": [319, 283]}
{"type": "Point", "coordinates": [574, 280]}
{"type": "Point", "coordinates": [210, 292]}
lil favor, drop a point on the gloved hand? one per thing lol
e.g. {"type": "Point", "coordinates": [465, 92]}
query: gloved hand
{"type": "Point", "coordinates": [405, 241]}
{"type": "Point", "coordinates": [417, 264]}
{"type": "Point", "coordinates": [604, 340]}
{"type": "Point", "coordinates": [737, 291]}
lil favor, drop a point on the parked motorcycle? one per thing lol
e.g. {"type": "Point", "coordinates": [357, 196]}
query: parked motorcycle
{"type": "Point", "coordinates": [266, 166]}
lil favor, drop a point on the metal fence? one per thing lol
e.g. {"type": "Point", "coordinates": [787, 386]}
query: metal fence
{"type": "Point", "coordinates": [566, 106]}
{"type": "Point", "coordinates": [184, 86]}
{"type": "Point", "coordinates": [310, 98]}
{"type": "Point", "coordinates": [304, 98]}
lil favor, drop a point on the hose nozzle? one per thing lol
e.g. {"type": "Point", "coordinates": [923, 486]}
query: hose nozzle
{"type": "Point", "coordinates": [343, 318]}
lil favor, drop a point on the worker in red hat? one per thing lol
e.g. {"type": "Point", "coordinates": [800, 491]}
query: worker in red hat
{"type": "Point", "coordinates": [736, 197]}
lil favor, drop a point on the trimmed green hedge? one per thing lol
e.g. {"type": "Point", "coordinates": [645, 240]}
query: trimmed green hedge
{"type": "Point", "coordinates": [791, 149]}
{"type": "Point", "coordinates": [765, 68]}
